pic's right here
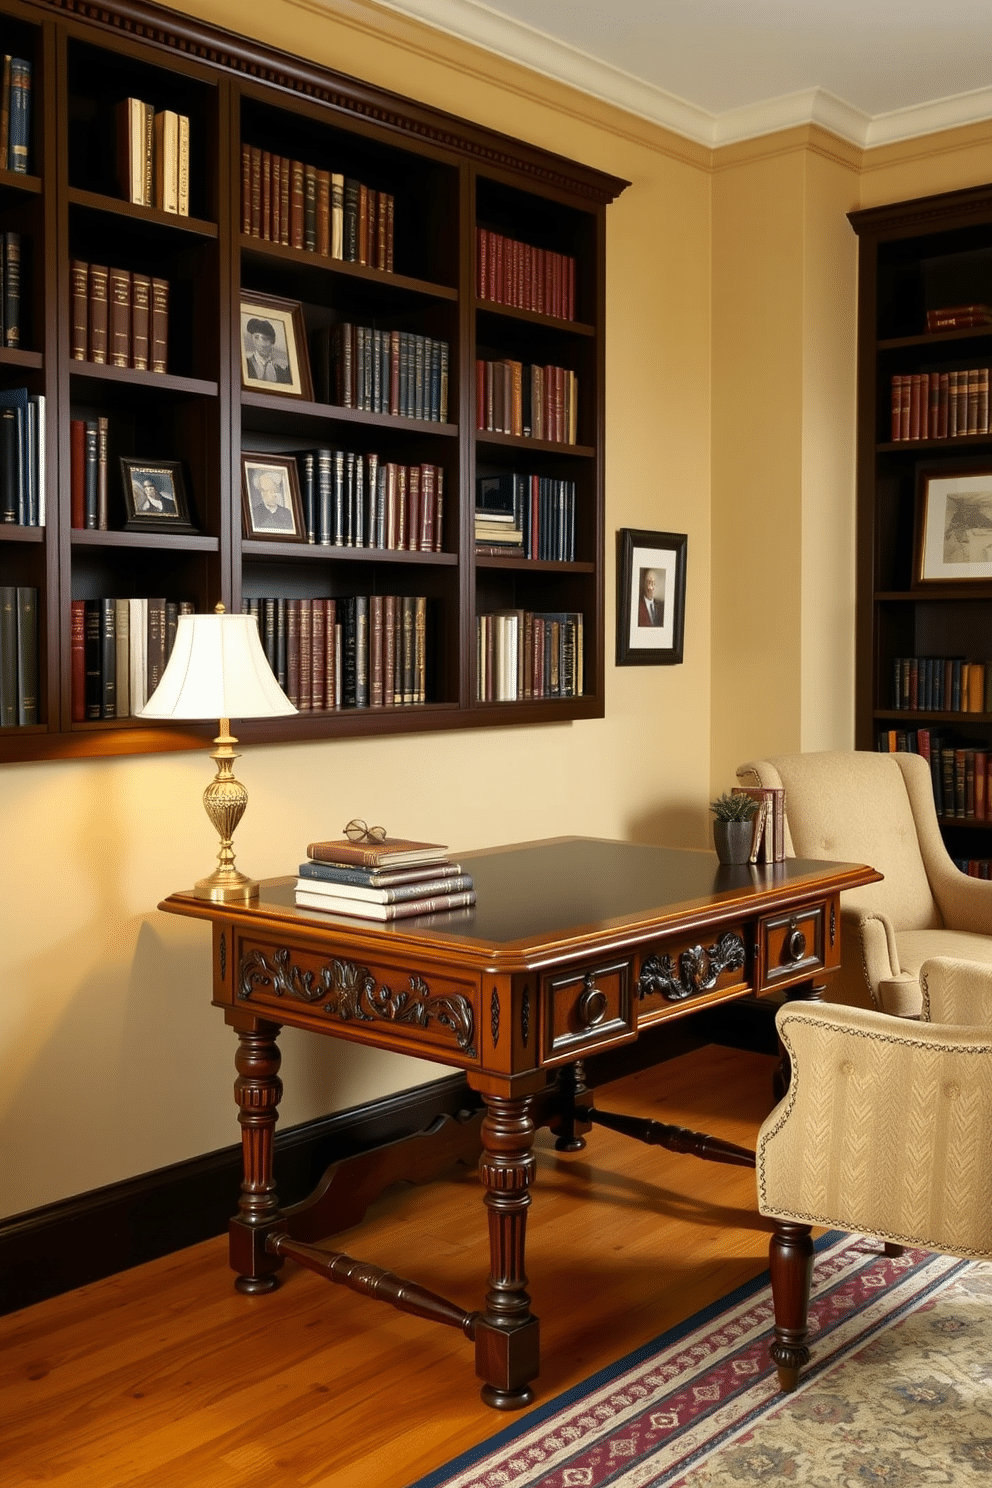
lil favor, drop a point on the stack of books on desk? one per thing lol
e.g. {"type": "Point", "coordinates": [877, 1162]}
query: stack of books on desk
{"type": "Point", "coordinates": [388, 880]}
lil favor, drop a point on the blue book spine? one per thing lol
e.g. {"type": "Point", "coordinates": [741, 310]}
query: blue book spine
{"type": "Point", "coordinates": [20, 115]}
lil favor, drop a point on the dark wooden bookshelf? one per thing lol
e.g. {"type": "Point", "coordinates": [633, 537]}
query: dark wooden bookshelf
{"type": "Point", "coordinates": [447, 176]}
{"type": "Point", "coordinates": [916, 256]}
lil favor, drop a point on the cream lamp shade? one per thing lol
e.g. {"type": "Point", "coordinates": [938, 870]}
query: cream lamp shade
{"type": "Point", "coordinates": [218, 669]}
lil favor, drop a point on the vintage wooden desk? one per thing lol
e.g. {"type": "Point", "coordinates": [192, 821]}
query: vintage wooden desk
{"type": "Point", "coordinates": [574, 946]}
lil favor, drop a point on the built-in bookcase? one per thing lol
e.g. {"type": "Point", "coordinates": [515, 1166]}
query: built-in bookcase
{"type": "Point", "coordinates": [443, 179]}
{"type": "Point", "coordinates": [917, 257]}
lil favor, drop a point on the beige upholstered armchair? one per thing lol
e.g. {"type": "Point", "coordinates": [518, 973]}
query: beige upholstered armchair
{"type": "Point", "coordinates": [831, 1154]}
{"type": "Point", "coordinates": [860, 807]}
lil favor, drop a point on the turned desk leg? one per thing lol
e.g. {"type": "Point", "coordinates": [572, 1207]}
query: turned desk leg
{"type": "Point", "coordinates": [571, 1090]}
{"type": "Point", "coordinates": [507, 1347]}
{"type": "Point", "coordinates": [790, 1261]}
{"type": "Point", "coordinates": [257, 1091]}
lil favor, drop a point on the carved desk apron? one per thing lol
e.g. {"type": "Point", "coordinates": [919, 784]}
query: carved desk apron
{"type": "Point", "coordinates": [574, 946]}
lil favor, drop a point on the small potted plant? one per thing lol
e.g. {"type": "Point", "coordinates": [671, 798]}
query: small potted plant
{"type": "Point", "coordinates": [733, 826]}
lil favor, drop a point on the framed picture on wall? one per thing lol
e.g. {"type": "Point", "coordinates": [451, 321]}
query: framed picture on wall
{"type": "Point", "coordinates": [953, 525]}
{"type": "Point", "coordinates": [650, 597]}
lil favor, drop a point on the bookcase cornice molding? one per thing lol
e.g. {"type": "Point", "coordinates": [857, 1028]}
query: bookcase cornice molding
{"type": "Point", "coordinates": [247, 58]}
{"type": "Point", "coordinates": [947, 210]}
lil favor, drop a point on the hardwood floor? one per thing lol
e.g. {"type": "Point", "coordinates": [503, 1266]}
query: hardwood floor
{"type": "Point", "coordinates": [165, 1377]}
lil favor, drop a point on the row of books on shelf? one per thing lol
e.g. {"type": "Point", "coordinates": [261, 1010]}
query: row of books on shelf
{"type": "Point", "coordinates": [768, 833]}
{"type": "Point", "coordinates": [938, 684]}
{"type": "Point", "coordinates": [18, 656]}
{"type": "Point", "coordinates": [960, 772]}
{"type": "Point", "coordinates": [362, 501]}
{"type": "Point", "coordinates": [530, 401]}
{"type": "Point", "coordinates": [119, 318]}
{"type": "Point", "coordinates": [529, 654]}
{"type": "Point", "coordinates": [10, 288]}
{"type": "Point", "coordinates": [118, 651]}
{"type": "Point", "coordinates": [320, 211]}
{"type": "Point", "coordinates": [510, 272]}
{"type": "Point", "coordinates": [378, 371]}
{"type": "Point", "coordinates": [531, 516]}
{"type": "Point", "coordinates": [382, 879]}
{"type": "Point", "coordinates": [355, 651]}
{"type": "Point", "coordinates": [22, 457]}
{"type": "Point", "coordinates": [153, 156]}
{"type": "Point", "coordinates": [940, 405]}
{"type": "Point", "coordinates": [974, 867]}
{"type": "Point", "coordinates": [15, 114]}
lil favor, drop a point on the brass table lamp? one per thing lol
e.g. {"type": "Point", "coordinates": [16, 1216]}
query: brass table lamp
{"type": "Point", "coordinates": [218, 669]}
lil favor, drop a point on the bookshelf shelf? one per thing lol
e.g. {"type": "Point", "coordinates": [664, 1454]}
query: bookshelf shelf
{"type": "Point", "coordinates": [424, 182]}
{"type": "Point", "coordinates": [915, 257]}
{"type": "Point", "coordinates": [94, 201]}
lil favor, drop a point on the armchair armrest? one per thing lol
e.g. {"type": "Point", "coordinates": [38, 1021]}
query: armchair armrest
{"type": "Point", "coordinates": [869, 954]}
{"type": "Point", "coordinates": [956, 992]}
{"type": "Point", "coordinates": [884, 1129]}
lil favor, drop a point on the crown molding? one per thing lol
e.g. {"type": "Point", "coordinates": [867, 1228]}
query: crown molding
{"type": "Point", "coordinates": [477, 24]}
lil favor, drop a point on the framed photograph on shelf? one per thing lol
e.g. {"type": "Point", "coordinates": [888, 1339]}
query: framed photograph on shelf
{"type": "Point", "coordinates": [270, 498]}
{"type": "Point", "coordinates": [274, 346]}
{"type": "Point", "coordinates": [650, 597]}
{"type": "Point", "coordinates": [155, 496]}
{"type": "Point", "coordinates": [953, 525]}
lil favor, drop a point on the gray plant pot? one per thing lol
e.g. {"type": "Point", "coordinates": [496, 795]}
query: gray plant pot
{"type": "Point", "coordinates": [732, 840]}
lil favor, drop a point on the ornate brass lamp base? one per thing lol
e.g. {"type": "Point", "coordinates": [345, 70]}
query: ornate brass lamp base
{"type": "Point", "coordinates": [225, 800]}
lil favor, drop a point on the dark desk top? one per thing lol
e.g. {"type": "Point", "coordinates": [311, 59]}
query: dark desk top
{"type": "Point", "coordinates": [537, 898]}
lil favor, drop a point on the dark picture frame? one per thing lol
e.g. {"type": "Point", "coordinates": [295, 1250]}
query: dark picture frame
{"type": "Point", "coordinates": [272, 334]}
{"type": "Point", "coordinates": [270, 498]}
{"type": "Point", "coordinates": [953, 525]}
{"type": "Point", "coordinates": [650, 597]}
{"type": "Point", "coordinates": [155, 496]}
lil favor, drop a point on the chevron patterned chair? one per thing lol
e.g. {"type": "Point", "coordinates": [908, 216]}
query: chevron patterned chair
{"type": "Point", "coordinates": [831, 1155]}
{"type": "Point", "coordinates": [860, 807]}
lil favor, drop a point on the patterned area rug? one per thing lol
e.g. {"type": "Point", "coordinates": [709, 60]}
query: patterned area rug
{"type": "Point", "coordinates": [898, 1393]}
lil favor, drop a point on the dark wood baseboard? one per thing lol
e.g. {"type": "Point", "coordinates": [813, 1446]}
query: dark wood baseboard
{"type": "Point", "coordinates": [79, 1240]}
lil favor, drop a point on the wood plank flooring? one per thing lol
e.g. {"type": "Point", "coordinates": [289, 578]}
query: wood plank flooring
{"type": "Point", "coordinates": [165, 1377]}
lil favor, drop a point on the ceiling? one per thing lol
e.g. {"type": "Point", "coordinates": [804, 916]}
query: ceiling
{"type": "Point", "coordinates": [873, 71]}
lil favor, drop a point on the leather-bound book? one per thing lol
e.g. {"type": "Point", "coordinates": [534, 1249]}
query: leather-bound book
{"type": "Point", "coordinates": [77, 472]}
{"type": "Point", "coordinates": [310, 208]}
{"type": "Point", "coordinates": [77, 659]}
{"type": "Point", "coordinates": [323, 209]}
{"type": "Point", "coordinates": [102, 435]}
{"type": "Point", "coordinates": [275, 200]}
{"type": "Point", "coordinates": [182, 193]}
{"type": "Point", "coordinates": [92, 692]}
{"type": "Point", "coordinates": [156, 644]}
{"type": "Point", "coordinates": [306, 655]}
{"type": "Point", "coordinates": [351, 193]}
{"type": "Point", "coordinates": [297, 204]}
{"type": "Point", "coordinates": [376, 650]}
{"type": "Point", "coordinates": [318, 654]}
{"type": "Point", "coordinates": [293, 651]}
{"type": "Point", "coordinates": [130, 121]}
{"type": "Point", "coordinates": [27, 655]}
{"type": "Point", "coordinates": [266, 214]}
{"type": "Point", "coordinates": [246, 190]}
{"type": "Point", "coordinates": [160, 325]}
{"type": "Point", "coordinates": [11, 289]}
{"type": "Point", "coordinates": [284, 196]}
{"type": "Point", "coordinates": [256, 191]}
{"type": "Point", "coordinates": [141, 320]}
{"type": "Point", "coordinates": [119, 282]}
{"type": "Point", "coordinates": [98, 313]}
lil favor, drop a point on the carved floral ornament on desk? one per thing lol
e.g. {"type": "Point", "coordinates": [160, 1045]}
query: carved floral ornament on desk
{"type": "Point", "coordinates": [218, 670]}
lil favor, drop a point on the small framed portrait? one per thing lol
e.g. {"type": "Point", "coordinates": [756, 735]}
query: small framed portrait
{"type": "Point", "coordinates": [650, 597]}
{"type": "Point", "coordinates": [274, 346]}
{"type": "Point", "coordinates": [954, 525]}
{"type": "Point", "coordinates": [155, 496]}
{"type": "Point", "coordinates": [270, 498]}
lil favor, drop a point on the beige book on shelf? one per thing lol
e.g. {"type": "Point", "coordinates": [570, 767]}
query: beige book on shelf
{"type": "Point", "coordinates": [167, 161]}
{"type": "Point", "coordinates": [138, 654]}
{"type": "Point", "coordinates": [182, 189]}
{"type": "Point", "coordinates": [123, 656]}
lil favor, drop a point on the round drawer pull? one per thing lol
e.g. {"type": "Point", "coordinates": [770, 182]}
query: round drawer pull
{"type": "Point", "coordinates": [796, 943]}
{"type": "Point", "coordinates": [591, 1007]}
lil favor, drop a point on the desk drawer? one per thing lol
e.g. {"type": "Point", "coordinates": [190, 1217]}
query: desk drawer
{"type": "Point", "coordinates": [791, 947]}
{"type": "Point", "coordinates": [586, 1010]}
{"type": "Point", "coordinates": [373, 1002]}
{"type": "Point", "coordinates": [683, 973]}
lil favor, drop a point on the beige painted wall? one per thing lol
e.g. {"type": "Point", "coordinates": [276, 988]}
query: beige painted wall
{"type": "Point", "coordinates": [114, 1062]}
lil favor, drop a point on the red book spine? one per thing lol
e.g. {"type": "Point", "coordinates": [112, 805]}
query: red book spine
{"type": "Point", "coordinates": [266, 216]}
{"type": "Point", "coordinates": [481, 263]}
{"type": "Point", "coordinates": [496, 273]}
{"type": "Point", "coordinates": [306, 656]}
{"type": "Point", "coordinates": [256, 191]}
{"type": "Point", "coordinates": [571, 288]}
{"type": "Point", "coordinates": [284, 194]}
{"type": "Point", "coordinates": [77, 472]}
{"type": "Point", "coordinates": [480, 395]}
{"type": "Point", "coordinates": [428, 493]}
{"type": "Point", "coordinates": [415, 496]}
{"type": "Point", "coordinates": [318, 654]}
{"type": "Point", "coordinates": [246, 190]}
{"type": "Point", "coordinates": [324, 213]}
{"type": "Point", "coordinates": [77, 652]}
{"type": "Point", "coordinates": [276, 198]}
